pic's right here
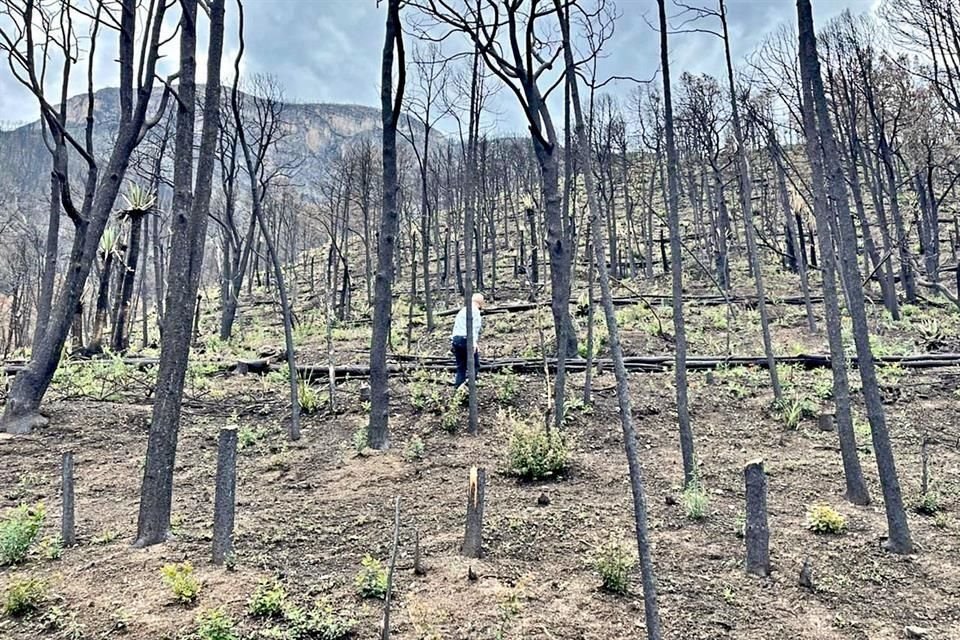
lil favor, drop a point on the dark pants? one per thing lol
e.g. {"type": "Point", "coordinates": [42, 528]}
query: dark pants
{"type": "Point", "coordinates": [459, 347]}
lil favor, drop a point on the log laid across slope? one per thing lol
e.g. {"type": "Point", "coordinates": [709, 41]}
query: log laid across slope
{"type": "Point", "coordinates": [400, 364]}
{"type": "Point", "coordinates": [704, 300]}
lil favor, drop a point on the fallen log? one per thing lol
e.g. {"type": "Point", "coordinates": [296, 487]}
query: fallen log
{"type": "Point", "coordinates": [635, 364]}
{"type": "Point", "coordinates": [658, 300]}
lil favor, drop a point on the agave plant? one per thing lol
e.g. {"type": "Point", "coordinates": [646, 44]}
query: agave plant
{"type": "Point", "coordinates": [109, 241]}
{"type": "Point", "coordinates": [137, 201]}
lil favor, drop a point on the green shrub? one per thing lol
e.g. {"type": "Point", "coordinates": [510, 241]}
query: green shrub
{"type": "Point", "coordinates": [929, 504]}
{"type": "Point", "coordinates": [23, 596]}
{"type": "Point", "coordinates": [215, 624]}
{"type": "Point", "coordinates": [51, 548]}
{"type": "Point", "coordinates": [425, 394]}
{"type": "Point", "coordinates": [614, 562]}
{"type": "Point", "coordinates": [450, 418]}
{"type": "Point", "coordinates": [794, 410]}
{"type": "Point", "coordinates": [535, 453]}
{"type": "Point", "coordinates": [360, 440]}
{"type": "Point", "coordinates": [371, 580]}
{"type": "Point", "coordinates": [695, 500]}
{"type": "Point", "coordinates": [824, 519]}
{"type": "Point", "coordinates": [414, 449]}
{"type": "Point", "coordinates": [505, 385]}
{"type": "Point", "coordinates": [248, 436]}
{"type": "Point", "coordinates": [180, 580]}
{"type": "Point", "coordinates": [63, 622]}
{"type": "Point", "coordinates": [321, 622]}
{"type": "Point", "coordinates": [269, 600]}
{"type": "Point", "coordinates": [18, 531]}
{"type": "Point", "coordinates": [308, 397]}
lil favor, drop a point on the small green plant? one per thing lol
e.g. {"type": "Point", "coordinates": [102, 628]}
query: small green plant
{"type": "Point", "coordinates": [360, 440]}
{"type": "Point", "coordinates": [534, 453]}
{"type": "Point", "coordinates": [695, 500]}
{"type": "Point", "coordinates": [308, 397]}
{"type": "Point", "coordinates": [614, 562]}
{"type": "Point", "coordinates": [321, 622]}
{"type": "Point", "coordinates": [941, 520]}
{"type": "Point", "coordinates": [23, 596]}
{"type": "Point", "coordinates": [18, 531]}
{"type": "Point", "coordinates": [106, 536]}
{"type": "Point", "coordinates": [575, 405]}
{"type": "Point", "coordinates": [56, 619]}
{"type": "Point", "coordinates": [505, 385]}
{"type": "Point", "coordinates": [371, 580]}
{"type": "Point", "coordinates": [825, 519]}
{"type": "Point", "coordinates": [729, 596]}
{"type": "Point", "coordinates": [453, 412]}
{"type": "Point", "coordinates": [51, 548]}
{"type": "Point", "coordinates": [740, 525]}
{"type": "Point", "coordinates": [269, 600]}
{"type": "Point", "coordinates": [414, 449]}
{"type": "Point", "coordinates": [425, 394]}
{"type": "Point", "coordinates": [180, 580]}
{"type": "Point", "coordinates": [795, 409]}
{"type": "Point", "coordinates": [215, 624]}
{"type": "Point", "coordinates": [248, 436]}
{"type": "Point", "coordinates": [928, 504]}
{"type": "Point", "coordinates": [509, 606]}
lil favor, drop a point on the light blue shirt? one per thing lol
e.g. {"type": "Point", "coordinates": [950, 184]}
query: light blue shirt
{"type": "Point", "coordinates": [460, 324]}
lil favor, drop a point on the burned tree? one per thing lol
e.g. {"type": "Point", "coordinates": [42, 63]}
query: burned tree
{"type": "Point", "coordinates": [190, 208]}
{"type": "Point", "coordinates": [390, 102]}
{"type": "Point", "coordinates": [102, 182]}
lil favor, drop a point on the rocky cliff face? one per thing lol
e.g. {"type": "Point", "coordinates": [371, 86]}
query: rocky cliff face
{"type": "Point", "coordinates": [314, 135]}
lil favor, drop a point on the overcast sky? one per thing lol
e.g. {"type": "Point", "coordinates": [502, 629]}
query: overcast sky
{"type": "Point", "coordinates": [329, 50]}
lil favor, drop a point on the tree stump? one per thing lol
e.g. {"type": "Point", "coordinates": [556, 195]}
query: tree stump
{"type": "Point", "coordinates": [473, 538]}
{"type": "Point", "coordinates": [226, 495]}
{"type": "Point", "coordinates": [825, 422]}
{"type": "Point", "coordinates": [68, 534]}
{"type": "Point", "coordinates": [757, 534]}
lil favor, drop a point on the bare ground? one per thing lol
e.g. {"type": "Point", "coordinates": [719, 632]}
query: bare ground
{"type": "Point", "coordinates": [309, 511]}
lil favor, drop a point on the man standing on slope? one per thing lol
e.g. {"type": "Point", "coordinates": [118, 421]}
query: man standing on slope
{"type": "Point", "coordinates": [459, 340]}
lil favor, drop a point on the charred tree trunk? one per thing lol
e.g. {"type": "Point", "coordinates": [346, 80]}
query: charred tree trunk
{"type": "Point", "coordinates": [120, 340]}
{"type": "Point", "coordinates": [377, 430]}
{"type": "Point", "coordinates": [899, 533]}
{"type": "Point", "coordinates": [651, 612]}
{"type": "Point", "coordinates": [676, 252]}
{"type": "Point", "coordinates": [189, 225]}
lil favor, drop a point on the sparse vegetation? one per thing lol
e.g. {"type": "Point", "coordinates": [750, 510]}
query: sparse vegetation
{"type": "Point", "coordinates": [371, 580]}
{"type": "Point", "coordinates": [825, 519]}
{"type": "Point", "coordinates": [615, 563]}
{"type": "Point", "coordinates": [181, 582]}
{"type": "Point", "coordinates": [534, 453]}
{"type": "Point", "coordinates": [19, 529]}
{"type": "Point", "coordinates": [215, 624]}
{"type": "Point", "coordinates": [414, 449]}
{"type": "Point", "coordinates": [928, 504]}
{"type": "Point", "coordinates": [24, 596]}
{"type": "Point", "coordinates": [320, 622]}
{"type": "Point", "coordinates": [695, 500]}
{"type": "Point", "coordinates": [360, 440]}
{"type": "Point", "coordinates": [269, 600]}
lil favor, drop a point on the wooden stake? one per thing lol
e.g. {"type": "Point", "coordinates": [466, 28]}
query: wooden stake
{"type": "Point", "coordinates": [226, 496]}
{"type": "Point", "coordinates": [418, 568]}
{"type": "Point", "coordinates": [68, 535]}
{"type": "Point", "coordinates": [473, 537]}
{"type": "Point", "coordinates": [757, 534]}
{"type": "Point", "coordinates": [385, 634]}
